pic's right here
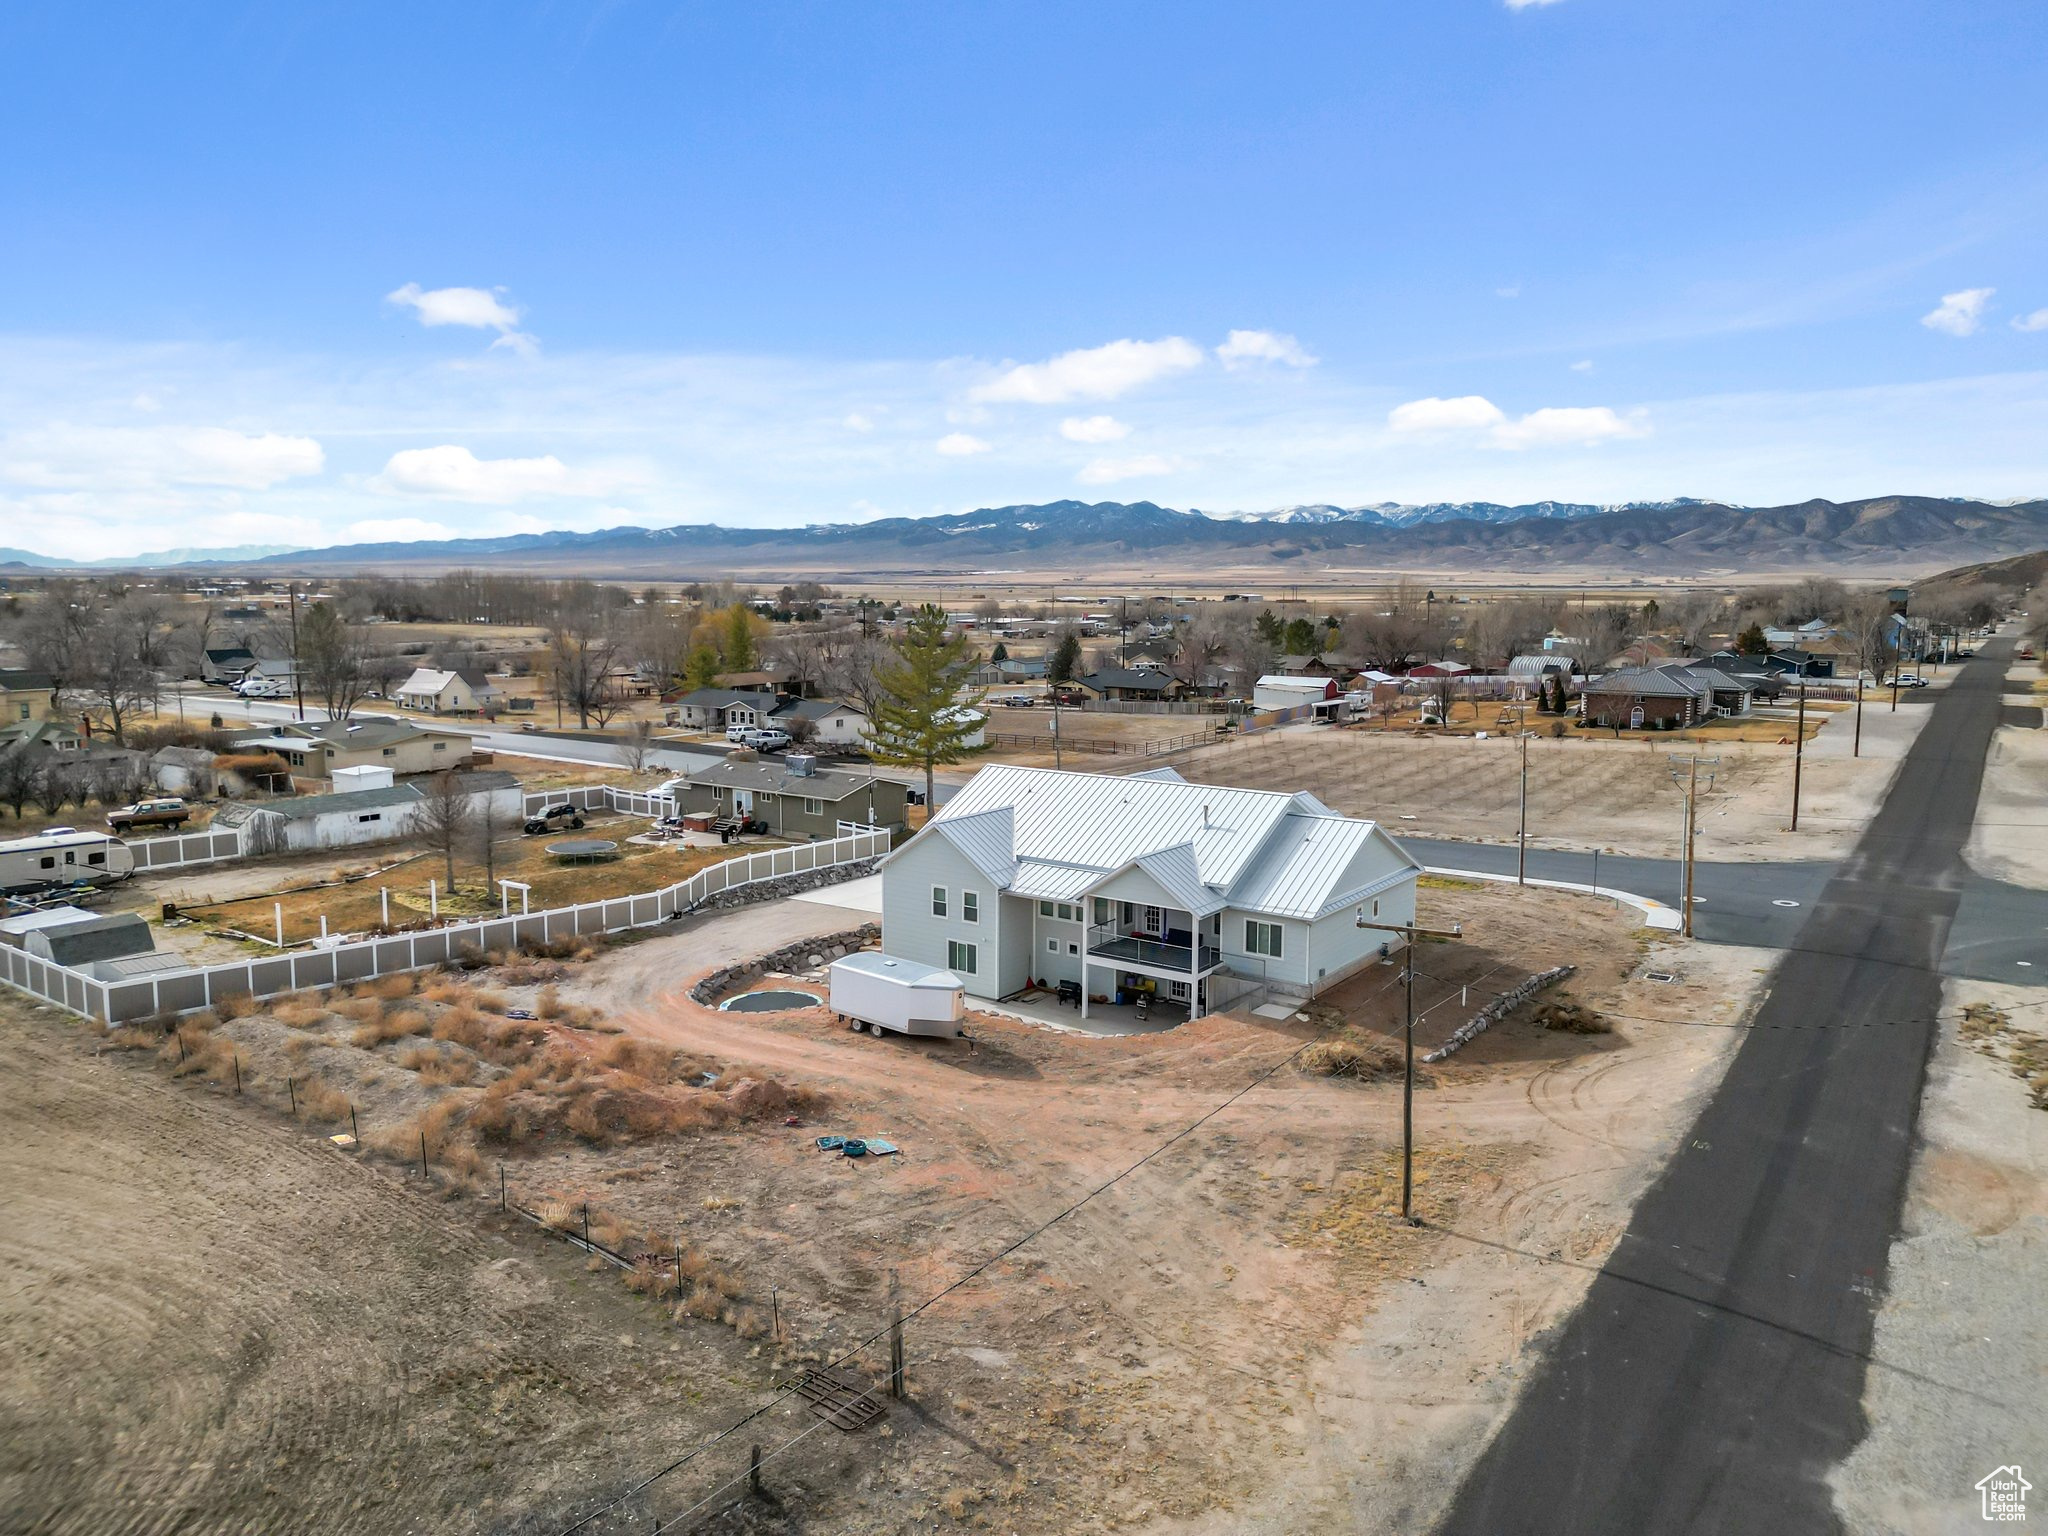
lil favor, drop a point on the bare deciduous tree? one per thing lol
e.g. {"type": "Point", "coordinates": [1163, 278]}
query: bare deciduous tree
{"type": "Point", "coordinates": [445, 819]}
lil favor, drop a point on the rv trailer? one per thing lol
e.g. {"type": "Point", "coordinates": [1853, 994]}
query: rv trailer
{"type": "Point", "coordinates": [63, 856]}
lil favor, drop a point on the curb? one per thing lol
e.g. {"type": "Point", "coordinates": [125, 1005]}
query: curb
{"type": "Point", "coordinates": [1655, 913]}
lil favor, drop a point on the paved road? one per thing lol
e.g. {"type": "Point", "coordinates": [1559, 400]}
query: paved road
{"type": "Point", "coordinates": [1714, 1373]}
{"type": "Point", "coordinates": [2000, 932]}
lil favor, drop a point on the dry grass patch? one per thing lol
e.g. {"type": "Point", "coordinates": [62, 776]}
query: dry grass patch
{"type": "Point", "coordinates": [381, 1027]}
{"type": "Point", "coordinates": [1367, 1061]}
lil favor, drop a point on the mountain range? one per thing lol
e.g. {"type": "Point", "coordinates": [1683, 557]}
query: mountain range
{"type": "Point", "coordinates": [1893, 535]}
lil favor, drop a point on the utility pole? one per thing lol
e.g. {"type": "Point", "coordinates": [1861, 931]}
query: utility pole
{"type": "Point", "coordinates": [1799, 743]}
{"type": "Point", "coordinates": [291, 593]}
{"type": "Point", "coordinates": [1691, 783]}
{"type": "Point", "coordinates": [1856, 748]}
{"type": "Point", "coordinates": [1522, 824]}
{"type": "Point", "coordinates": [1410, 932]}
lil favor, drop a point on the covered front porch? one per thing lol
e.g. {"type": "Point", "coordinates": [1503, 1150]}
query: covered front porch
{"type": "Point", "coordinates": [1155, 933]}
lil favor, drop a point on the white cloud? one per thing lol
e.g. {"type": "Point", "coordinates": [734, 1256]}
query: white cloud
{"type": "Point", "coordinates": [2037, 321]}
{"type": "Point", "coordinates": [1093, 429]}
{"type": "Point", "coordinates": [1246, 347]}
{"type": "Point", "coordinates": [147, 403]}
{"type": "Point", "coordinates": [958, 445]}
{"type": "Point", "coordinates": [478, 308]}
{"type": "Point", "coordinates": [1109, 471]}
{"type": "Point", "coordinates": [1583, 365]}
{"type": "Point", "coordinates": [1959, 314]}
{"type": "Point", "coordinates": [396, 530]}
{"type": "Point", "coordinates": [1511, 291]}
{"type": "Point", "coordinates": [132, 458]}
{"type": "Point", "coordinates": [855, 422]}
{"type": "Point", "coordinates": [1092, 373]}
{"type": "Point", "coordinates": [453, 473]}
{"type": "Point", "coordinates": [1464, 414]}
{"type": "Point", "coordinates": [1524, 5]}
{"type": "Point", "coordinates": [1568, 426]}
{"type": "Point", "coordinates": [1553, 426]}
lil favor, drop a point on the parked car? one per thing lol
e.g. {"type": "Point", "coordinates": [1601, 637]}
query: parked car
{"type": "Point", "coordinates": [1910, 680]}
{"type": "Point", "coordinates": [262, 688]}
{"type": "Point", "coordinates": [768, 738]}
{"type": "Point", "coordinates": [1015, 701]}
{"type": "Point", "coordinates": [737, 734]}
{"type": "Point", "coordinates": [168, 811]}
{"type": "Point", "coordinates": [553, 818]}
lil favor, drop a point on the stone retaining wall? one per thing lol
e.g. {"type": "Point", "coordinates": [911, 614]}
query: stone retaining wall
{"type": "Point", "coordinates": [784, 885]}
{"type": "Point", "coordinates": [804, 955]}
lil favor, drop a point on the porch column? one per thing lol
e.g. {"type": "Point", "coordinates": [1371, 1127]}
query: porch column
{"type": "Point", "coordinates": [1084, 979]}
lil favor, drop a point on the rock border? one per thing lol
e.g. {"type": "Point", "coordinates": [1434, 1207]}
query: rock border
{"type": "Point", "coordinates": [805, 954]}
{"type": "Point", "coordinates": [1503, 1005]}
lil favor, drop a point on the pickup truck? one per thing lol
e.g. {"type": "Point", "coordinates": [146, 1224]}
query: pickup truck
{"type": "Point", "coordinates": [167, 812]}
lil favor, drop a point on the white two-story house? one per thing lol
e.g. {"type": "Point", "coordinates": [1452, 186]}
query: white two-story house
{"type": "Point", "coordinates": [1034, 877]}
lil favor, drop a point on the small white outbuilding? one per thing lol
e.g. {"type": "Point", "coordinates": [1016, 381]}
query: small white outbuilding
{"type": "Point", "coordinates": [884, 992]}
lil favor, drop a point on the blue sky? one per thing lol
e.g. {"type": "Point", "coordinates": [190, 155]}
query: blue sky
{"type": "Point", "coordinates": [307, 273]}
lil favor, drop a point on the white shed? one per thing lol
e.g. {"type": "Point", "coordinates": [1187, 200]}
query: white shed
{"type": "Point", "coordinates": [1279, 690]}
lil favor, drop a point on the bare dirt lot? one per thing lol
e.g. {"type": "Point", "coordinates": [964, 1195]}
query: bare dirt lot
{"type": "Point", "coordinates": [1154, 1283]}
{"type": "Point", "coordinates": [1583, 792]}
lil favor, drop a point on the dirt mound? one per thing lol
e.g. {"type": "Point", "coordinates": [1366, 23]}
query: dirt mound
{"type": "Point", "coordinates": [1369, 1061]}
{"type": "Point", "coordinates": [1568, 1017]}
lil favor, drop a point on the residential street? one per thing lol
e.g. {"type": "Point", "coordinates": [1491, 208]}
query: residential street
{"type": "Point", "coordinates": [1715, 1373]}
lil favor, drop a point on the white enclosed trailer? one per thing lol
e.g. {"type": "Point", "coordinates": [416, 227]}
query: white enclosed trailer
{"type": "Point", "coordinates": [883, 992]}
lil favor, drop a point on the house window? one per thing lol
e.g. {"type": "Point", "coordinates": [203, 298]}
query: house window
{"type": "Point", "coordinates": [371, 816]}
{"type": "Point", "coordinates": [1073, 949]}
{"type": "Point", "coordinates": [938, 901]}
{"type": "Point", "coordinates": [1262, 939]}
{"type": "Point", "coordinates": [1052, 946]}
{"type": "Point", "coordinates": [814, 807]}
{"type": "Point", "coordinates": [1101, 909]}
{"type": "Point", "coordinates": [24, 712]}
{"type": "Point", "coordinates": [1375, 906]}
{"type": "Point", "coordinates": [1045, 909]}
{"type": "Point", "coordinates": [1155, 920]}
{"type": "Point", "coordinates": [960, 957]}
{"type": "Point", "coordinates": [970, 906]}
{"type": "Point", "coordinates": [439, 746]}
{"type": "Point", "coordinates": [391, 751]}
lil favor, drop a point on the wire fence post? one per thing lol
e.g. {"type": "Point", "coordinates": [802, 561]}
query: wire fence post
{"type": "Point", "coordinates": [895, 1337]}
{"type": "Point", "coordinates": [423, 1154]}
{"type": "Point", "coordinates": [354, 1131]}
{"type": "Point", "coordinates": [501, 1188]}
{"type": "Point", "coordinates": [238, 1071]}
{"type": "Point", "coordinates": [291, 1086]}
{"type": "Point", "coordinates": [586, 1224]}
{"type": "Point", "coordinates": [754, 1471]}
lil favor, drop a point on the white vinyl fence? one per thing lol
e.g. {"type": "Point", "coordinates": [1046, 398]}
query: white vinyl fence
{"type": "Point", "coordinates": [201, 987]}
{"type": "Point", "coordinates": [187, 848]}
{"type": "Point", "coordinates": [599, 797]}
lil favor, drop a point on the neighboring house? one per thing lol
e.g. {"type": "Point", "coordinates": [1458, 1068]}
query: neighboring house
{"type": "Point", "coordinates": [1034, 876]}
{"type": "Point", "coordinates": [747, 682]}
{"type": "Point", "coordinates": [714, 709]}
{"type": "Point", "coordinates": [358, 816]}
{"type": "Point", "coordinates": [315, 748]}
{"type": "Point", "coordinates": [1312, 666]}
{"type": "Point", "coordinates": [43, 735]}
{"type": "Point", "coordinates": [1125, 683]}
{"type": "Point", "coordinates": [441, 691]}
{"type": "Point", "coordinates": [1669, 697]}
{"type": "Point", "coordinates": [225, 663]}
{"type": "Point", "coordinates": [1441, 669]}
{"type": "Point", "coordinates": [831, 722]}
{"type": "Point", "coordinates": [1798, 663]}
{"type": "Point", "coordinates": [25, 695]}
{"type": "Point", "coordinates": [1277, 690]}
{"type": "Point", "coordinates": [273, 669]}
{"type": "Point", "coordinates": [795, 797]}
{"type": "Point", "coordinates": [1009, 672]}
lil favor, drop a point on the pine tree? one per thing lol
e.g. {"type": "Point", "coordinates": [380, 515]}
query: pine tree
{"type": "Point", "coordinates": [701, 667]}
{"type": "Point", "coordinates": [1751, 641]}
{"type": "Point", "coordinates": [1066, 656]}
{"type": "Point", "coordinates": [920, 719]}
{"type": "Point", "coordinates": [1000, 653]}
